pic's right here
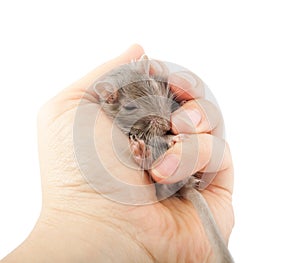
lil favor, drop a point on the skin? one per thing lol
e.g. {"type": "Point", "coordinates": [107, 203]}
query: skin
{"type": "Point", "coordinates": [77, 224]}
{"type": "Point", "coordinates": [146, 118]}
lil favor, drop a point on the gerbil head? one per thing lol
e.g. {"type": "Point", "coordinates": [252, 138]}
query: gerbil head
{"type": "Point", "coordinates": [140, 104]}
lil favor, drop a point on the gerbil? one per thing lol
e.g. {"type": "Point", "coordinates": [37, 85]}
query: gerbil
{"type": "Point", "coordinates": [141, 104]}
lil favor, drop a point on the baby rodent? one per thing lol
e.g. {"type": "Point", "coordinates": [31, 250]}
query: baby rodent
{"type": "Point", "coordinates": [141, 105]}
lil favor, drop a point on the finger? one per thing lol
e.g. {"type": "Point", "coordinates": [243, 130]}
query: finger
{"type": "Point", "coordinates": [132, 53]}
{"type": "Point", "coordinates": [158, 69]}
{"type": "Point", "coordinates": [186, 85]}
{"type": "Point", "coordinates": [196, 116]}
{"type": "Point", "coordinates": [198, 152]}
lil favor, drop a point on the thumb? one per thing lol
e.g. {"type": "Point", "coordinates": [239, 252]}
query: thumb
{"type": "Point", "coordinates": [195, 153]}
{"type": "Point", "coordinates": [134, 52]}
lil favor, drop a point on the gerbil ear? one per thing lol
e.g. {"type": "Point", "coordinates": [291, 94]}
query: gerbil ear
{"type": "Point", "coordinates": [143, 64]}
{"type": "Point", "coordinates": [106, 92]}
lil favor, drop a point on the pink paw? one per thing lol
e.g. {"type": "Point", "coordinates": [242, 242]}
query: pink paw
{"type": "Point", "coordinates": [175, 139]}
{"type": "Point", "coordinates": [140, 152]}
{"type": "Point", "coordinates": [198, 182]}
{"type": "Point", "coordinates": [183, 102]}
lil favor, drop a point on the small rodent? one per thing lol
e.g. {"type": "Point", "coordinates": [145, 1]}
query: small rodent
{"type": "Point", "coordinates": [141, 105]}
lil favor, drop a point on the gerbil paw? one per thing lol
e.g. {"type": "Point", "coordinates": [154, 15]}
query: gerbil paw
{"type": "Point", "coordinates": [183, 102]}
{"type": "Point", "coordinates": [198, 182]}
{"type": "Point", "coordinates": [175, 139]}
{"type": "Point", "coordinates": [139, 150]}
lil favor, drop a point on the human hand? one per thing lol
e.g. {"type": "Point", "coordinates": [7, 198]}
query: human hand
{"type": "Point", "coordinates": [79, 224]}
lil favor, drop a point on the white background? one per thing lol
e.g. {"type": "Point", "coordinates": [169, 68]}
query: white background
{"type": "Point", "coordinates": [248, 52]}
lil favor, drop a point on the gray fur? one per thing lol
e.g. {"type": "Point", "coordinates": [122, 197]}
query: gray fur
{"type": "Point", "coordinates": [141, 105]}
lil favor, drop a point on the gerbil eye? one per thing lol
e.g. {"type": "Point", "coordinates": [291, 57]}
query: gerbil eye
{"type": "Point", "coordinates": [130, 106]}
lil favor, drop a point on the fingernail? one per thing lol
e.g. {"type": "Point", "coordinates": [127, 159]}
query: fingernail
{"type": "Point", "coordinates": [167, 166]}
{"type": "Point", "coordinates": [194, 116]}
{"type": "Point", "coordinates": [186, 117]}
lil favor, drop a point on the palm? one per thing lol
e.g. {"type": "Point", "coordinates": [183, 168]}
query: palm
{"type": "Point", "coordinates": [172, 230]}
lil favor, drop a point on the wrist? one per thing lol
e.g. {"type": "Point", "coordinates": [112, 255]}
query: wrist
{"type": "Point", "coordinates": [67, 237]}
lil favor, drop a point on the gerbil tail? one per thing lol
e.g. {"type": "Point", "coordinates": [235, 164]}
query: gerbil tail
{"type": "Point", "coordinates": [221, 251]}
